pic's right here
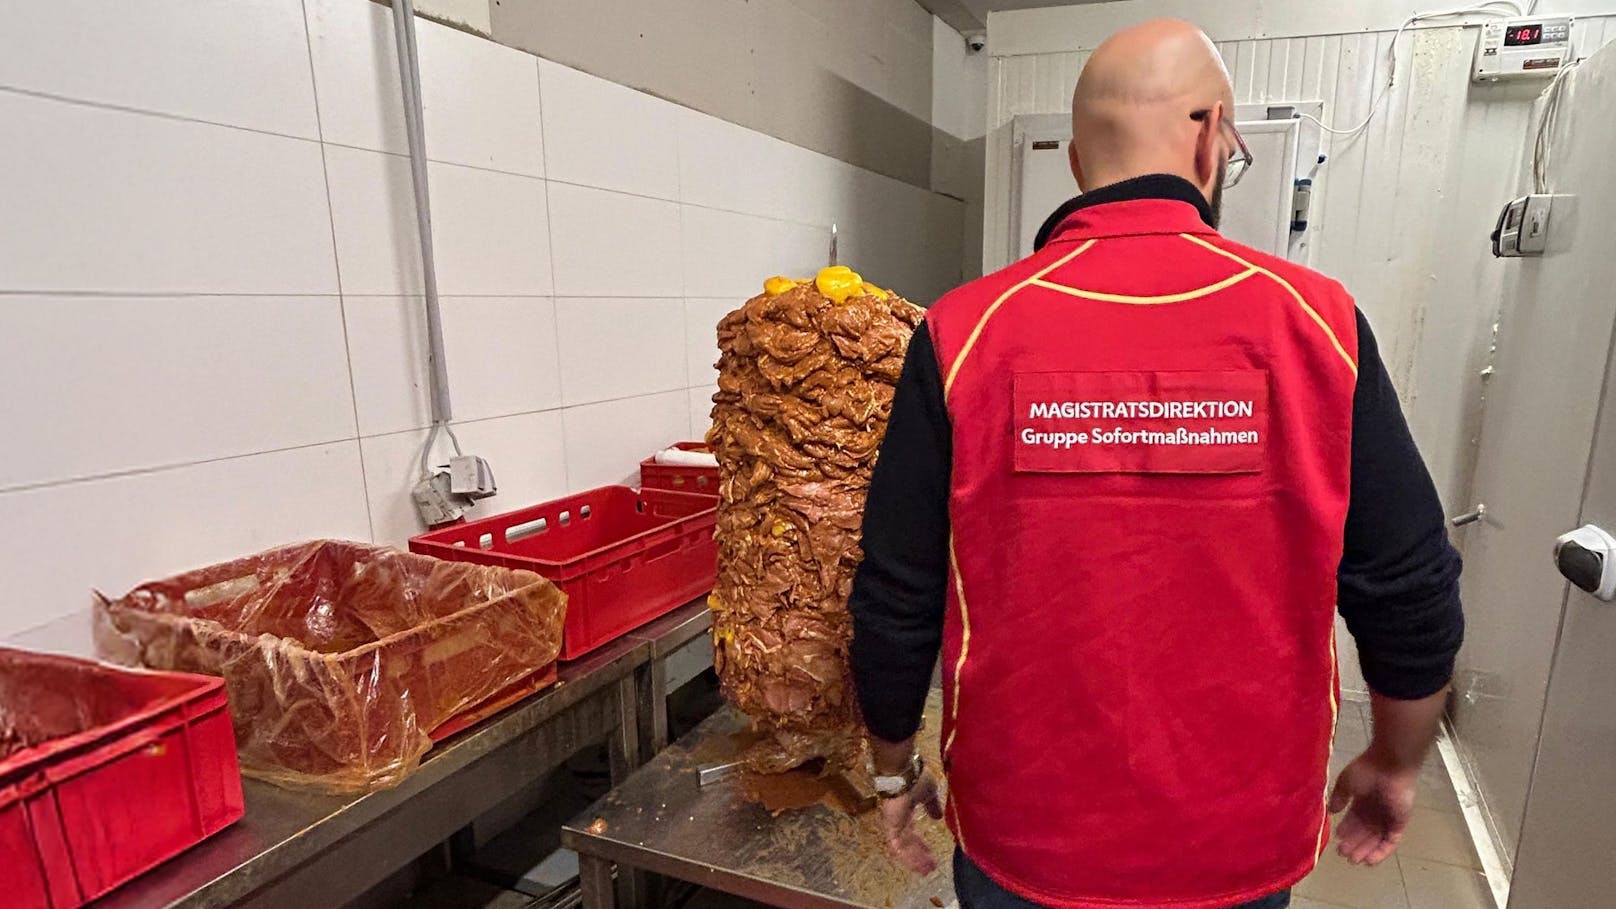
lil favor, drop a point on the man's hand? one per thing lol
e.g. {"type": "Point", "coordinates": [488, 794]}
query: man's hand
{"type": "Point", "coordinates": [1378, 800]}
{"type": "Point", "coordinates": [904, 843]}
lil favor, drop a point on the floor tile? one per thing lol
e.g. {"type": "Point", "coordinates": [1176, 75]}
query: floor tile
{"type": "Point", "coordinates": [1432, 885]}
{"type": "Point", "coordinates": [1350, 736]}
{"type": "Point", "coordinates": [1335, 880]}
{"type": "Point", "coordinates": [1439, 836]}
{"type": "Point", "coordinates": [1307, 902]}
{"type": "Point", "coordinates": [1436, 790]}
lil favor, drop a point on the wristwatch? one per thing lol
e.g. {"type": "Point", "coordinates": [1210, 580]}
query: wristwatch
{"type": "Point", "coordinates": [891, 787]}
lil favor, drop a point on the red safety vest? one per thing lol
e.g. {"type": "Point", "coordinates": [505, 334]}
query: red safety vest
{"type": "Point", "coordinates": [1152, 442]}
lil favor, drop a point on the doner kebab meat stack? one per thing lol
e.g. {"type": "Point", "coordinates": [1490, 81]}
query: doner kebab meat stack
{"type": "Point", "coordinates": [806, 375]}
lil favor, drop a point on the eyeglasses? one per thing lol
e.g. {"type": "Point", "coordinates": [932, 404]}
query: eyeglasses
{"type": "Point", "coordinates": [1240, 160]}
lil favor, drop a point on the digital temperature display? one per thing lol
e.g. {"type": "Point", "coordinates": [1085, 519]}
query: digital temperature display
{"type": "Point", "coordinates": [1523, 35]}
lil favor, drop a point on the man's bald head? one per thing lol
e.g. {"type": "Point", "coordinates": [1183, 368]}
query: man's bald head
{"type": "Point", "coordinates": [1132, 111]}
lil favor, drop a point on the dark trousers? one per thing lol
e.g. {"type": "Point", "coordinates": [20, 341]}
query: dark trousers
{"type": "Point", "coordinates": [978, 891]}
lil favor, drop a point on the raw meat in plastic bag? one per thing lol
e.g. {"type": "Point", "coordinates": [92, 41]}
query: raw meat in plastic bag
{"type": "Point", "coordinates": [341, 658]}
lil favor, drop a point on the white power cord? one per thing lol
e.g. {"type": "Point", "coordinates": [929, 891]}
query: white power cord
{"type": "Point", "coordinates": [1488, 8]}
{"type": "Point", "coordinates": [1543, 144]}
{"type": "Point", "coordinates": [431, 442]}
{"type": "Point", "coordinates": [439, 496]}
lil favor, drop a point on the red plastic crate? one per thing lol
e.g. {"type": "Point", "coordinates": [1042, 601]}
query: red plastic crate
{"type": "Point", "coordinates": [623, 557]}
{"type": "Point", "coordinates": [125, 770]}
{"type": "Point", "coordinates": [680, 478]}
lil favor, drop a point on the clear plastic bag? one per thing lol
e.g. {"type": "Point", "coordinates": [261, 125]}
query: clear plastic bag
{"type": "Point", "coordinates": [341, 659]}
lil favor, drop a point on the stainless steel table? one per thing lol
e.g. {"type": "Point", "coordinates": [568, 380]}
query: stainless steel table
{"type": "Point", "coordinates": [304, 849]}
{"type": "Point", "coordinates": [662, 821]}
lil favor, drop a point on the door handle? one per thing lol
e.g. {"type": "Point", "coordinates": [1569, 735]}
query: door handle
{"type": "Point", "coordinates": [1587, 558]}
{"type": "Point", "coordinates": [1470, 517]}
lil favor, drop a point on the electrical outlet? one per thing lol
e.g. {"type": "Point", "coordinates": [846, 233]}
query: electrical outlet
{"type": "Point", "coordinates": [435, 503]}
{"type": "Point", "coordinates": [470, 476]}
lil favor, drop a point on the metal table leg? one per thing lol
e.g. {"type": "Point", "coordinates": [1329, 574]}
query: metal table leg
{"type": "Point", "coordinates": [627, 754]}
{"type": "Point", "coordinates": [651, 684]}
{"type": "Point", "coordinates": [595, 879]}
{"type": "Point", "coordinates": [624, 747]}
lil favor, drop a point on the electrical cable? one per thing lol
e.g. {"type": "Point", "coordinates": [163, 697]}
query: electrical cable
{"type": "Point", "coordinates": [1487, 8]}
{"type": "Point", "coordinates": [426, 450]}
{"type": "Point", "coordinates": [409, 65]}
{"type": "Point", "coordinates": [1543, 143]}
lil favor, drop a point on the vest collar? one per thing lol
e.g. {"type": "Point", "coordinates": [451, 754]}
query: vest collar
{"type": "Point", "coordinates": [1152, 204]}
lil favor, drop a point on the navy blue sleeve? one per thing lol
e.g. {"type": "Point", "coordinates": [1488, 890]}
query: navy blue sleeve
{"type": "Point", "coordinates": [1399, 576]}
{"type": "Point", "coordinates": [900, 591]}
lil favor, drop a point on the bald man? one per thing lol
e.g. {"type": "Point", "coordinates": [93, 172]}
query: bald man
{"type": "Point", "coordinates": [1126, 486]}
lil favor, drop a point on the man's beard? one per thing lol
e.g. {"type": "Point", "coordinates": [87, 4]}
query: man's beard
{"type": "Point", "coordinates": [1217, 200]}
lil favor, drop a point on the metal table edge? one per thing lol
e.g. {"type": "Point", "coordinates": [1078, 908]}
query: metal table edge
{"type": "Point", "coordinates": [632, 856]}
{"type": "Point", "coordinates": [686, 623]}
{"type": "Point", "coordinates": [593, 675]}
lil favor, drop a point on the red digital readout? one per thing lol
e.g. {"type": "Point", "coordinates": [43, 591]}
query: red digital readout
{"type": "Point", "coordinates": [1522, 36]}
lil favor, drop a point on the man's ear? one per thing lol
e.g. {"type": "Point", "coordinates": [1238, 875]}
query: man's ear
{"type": "Point", "coordinates": [1208, 147]}
{"type": "Point", "coordinates": [1077, 164]}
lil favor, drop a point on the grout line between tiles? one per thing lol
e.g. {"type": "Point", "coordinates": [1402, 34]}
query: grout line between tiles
{"type": "Point", "coordinates": [431, 160]}
{"type": "Point", "coordinates": [392, 294]}
{"type": "Point", "coordinates": [167, 466]}
{"type": "Point", "coordinates": [559, 408]}
{"type": "Point", "coordinates": [155, 294]}
{"type": "Point", "coordinates": [161, 115]}
{"type": "Point", "coordinates": [1402, 879]}
{"type": "Point", "coordinates": [319, 140]}
{"type": "Point", "coordinates": [549, 251]}
{"type": "Point", "coordinates": [356, 439]}
{"type": "Point", "coordinates": [336, 263]}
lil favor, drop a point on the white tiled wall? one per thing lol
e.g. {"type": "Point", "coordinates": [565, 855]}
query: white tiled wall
{"type": "Point", "coordinates": [211, 335]}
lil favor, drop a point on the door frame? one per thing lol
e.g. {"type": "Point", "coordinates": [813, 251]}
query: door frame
{"type": "Point", "coordinates": [1025, 129]}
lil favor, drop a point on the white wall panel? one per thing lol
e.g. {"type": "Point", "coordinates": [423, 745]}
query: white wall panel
{"type": "Point", "coordinates": [608, 136]}
{"type": "Point", "coordinates": [114, 533]}
{"type": "Point", "coordinates": [490, 230]}
{"type": "Point", "coordinates": [620, 348]}
{"type": "Point", "coordinates": [480, 101]}
{"type": "Point", "coordinates": [107, 201]}
{"type": "Point", "coordinates": [701, 412]}
{"type": "Point", "coordinates": [501, 353]}
{"type": "Point", "coordinates": [209, 268]}
{"type": "Point", "coordinates": [242, 63]}
{"type": "Point", "coordinates": [607, 244]}
{"type": "Point", "coordinates": [701, 337]}
{"type": "Point", "coordinates": [730, 255]}
{"type": "Point", "coordinates": [606, 442]}
{"type": "Point", "coordinates": [356, 74]}
{"type": "Point", "coordinates": [103, 384]}
{"type": "Point", "coordinates": [820, 189]}
{"type": "Point", "coordinates": [725, 166]}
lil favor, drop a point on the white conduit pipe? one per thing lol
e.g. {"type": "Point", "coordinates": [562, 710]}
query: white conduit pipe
{"type": "Point", "coordinates": [409, 72]}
